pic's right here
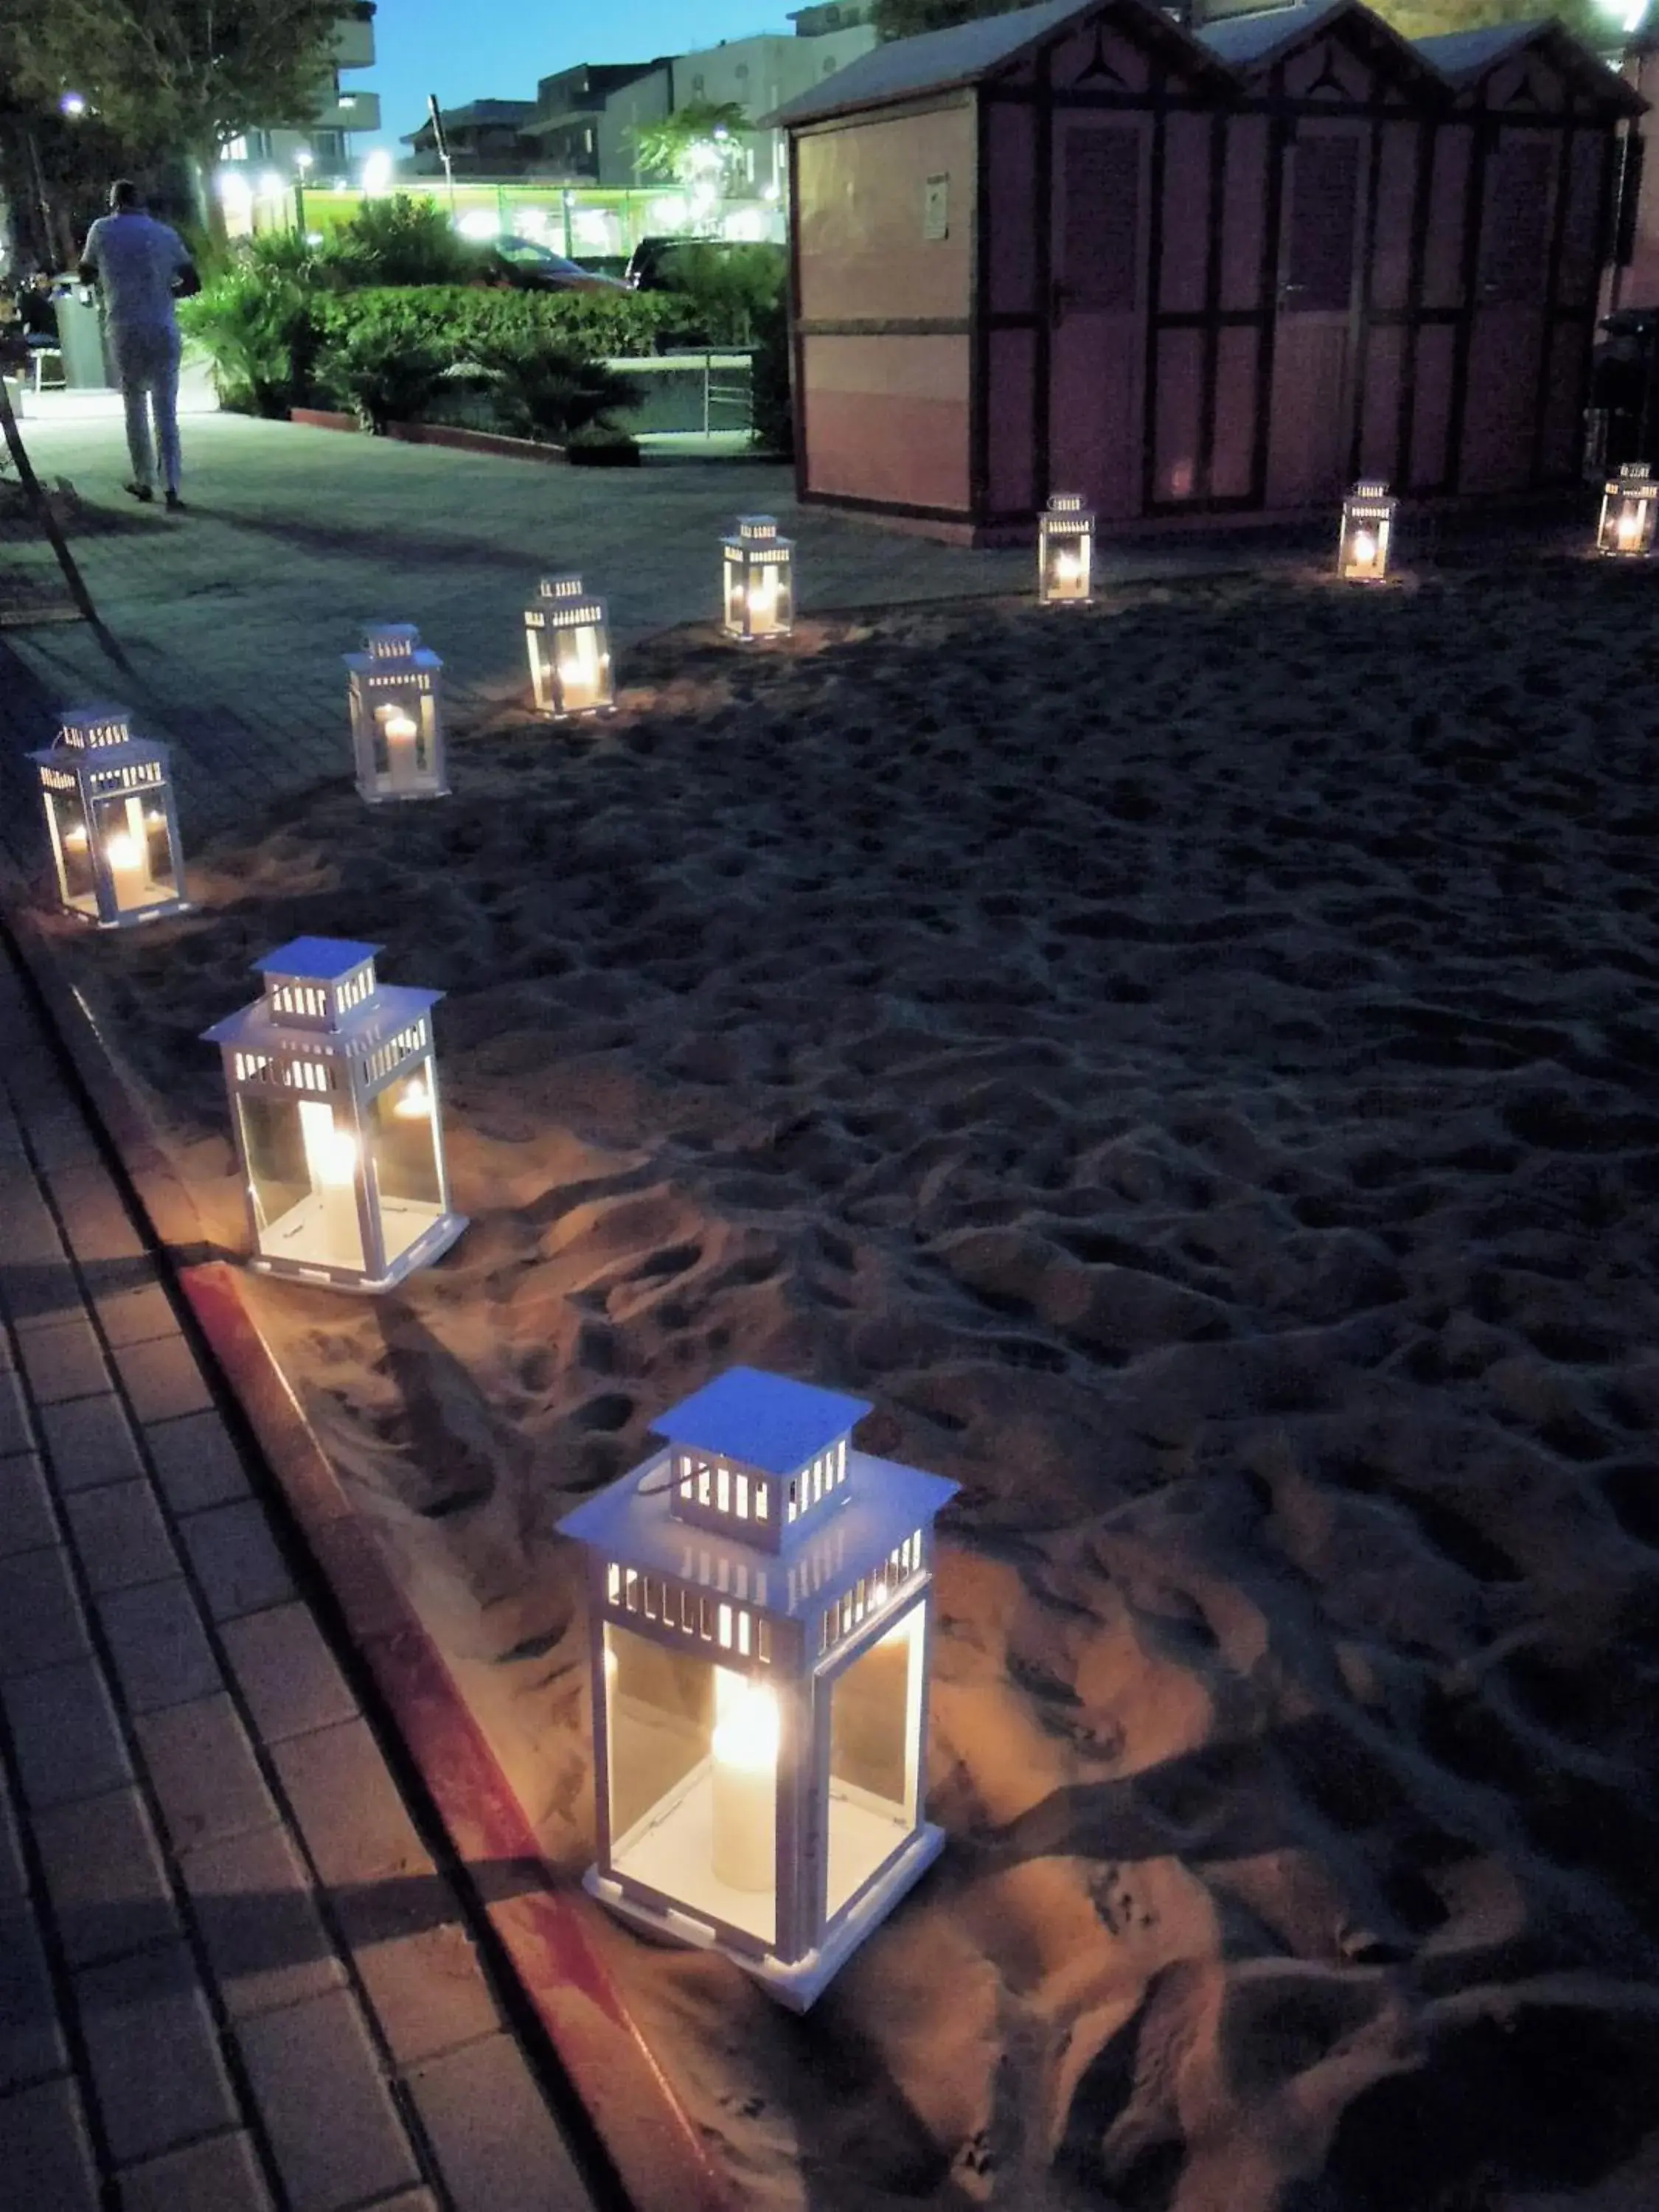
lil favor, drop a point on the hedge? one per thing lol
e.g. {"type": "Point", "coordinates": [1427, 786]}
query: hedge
{"type": "Point", "coordinates": [459, 320]}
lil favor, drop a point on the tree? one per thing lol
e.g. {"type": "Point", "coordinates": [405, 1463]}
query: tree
{"type": "Point", "coordinates": [699, 147]}
{"type": "Point", "coordinates": [174, 76]}
{"type": "Point", "coordinates": [903, 19]}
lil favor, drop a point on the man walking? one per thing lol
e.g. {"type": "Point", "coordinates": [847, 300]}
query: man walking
{"type": "Point", "coordinates": [142, 267]}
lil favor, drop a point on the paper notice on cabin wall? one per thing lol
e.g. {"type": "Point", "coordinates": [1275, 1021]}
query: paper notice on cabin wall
{"type": "Point", "coordinates": [936, 208]}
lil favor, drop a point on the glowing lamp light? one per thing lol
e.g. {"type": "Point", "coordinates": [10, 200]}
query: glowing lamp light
{"type": "Point", "coordinates": [1065, 545]}
{"type": "Point", "coordinates": [759, 573]}
{"type": "Point", "coordinates": [72, 105]}
{"type": "Point", "coordinates": [110, 822]}
{"type": "Point", "coordinates": [567, 631]}
{"type": "Point", "coordinates": [343, 1169]}
{"type": "Point", "coordinates": [760, 1610]}
{"type": "Point", "coordinates": [478, 224]}
{"type": "Point", "coordinates": [394, 687]}
{"type": "Point", "coordinates": [1630, 503]}
{"type": "Point", "coordinates": [378, 169]}
{"type": "Point", "coordinates": [1366, 541]}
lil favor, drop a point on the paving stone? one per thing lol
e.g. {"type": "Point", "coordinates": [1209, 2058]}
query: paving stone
{"type": "Point", "coordinates": [259, 1921]}
{"type": "Point", "coordinates": [41, 1291]}
{"type": "Point", "coordinates": [156, 2067]}
{"type": "Point", "coordinates": [499, 2148]}
{"type": "Point", "coordinates": [14, 1880]}
{"type": "Point", "coordinates": [15, 1434]}
{"type": "Point", "coordinates": [358, 1831]}
{"type": "Point", "coordinates": [235, 1554]}
{"type": "Point", "coordinates": [162, 1653]}
{"type": "Point", "coordinates": [27, 1520]}
{"type": "Point", "coordinates": [409, 2200]}
{"type": "Point", "coordinates": [119, 1536]}
{"type": "Point", "coordinates": [61, 1360]}
{"type": "Point", "coordinates": [97, 1224]}
{"type": "Point", "coordinates": [31, 2042]}
{"type": "Point", "coordinates": [196, 1462]}
{"type": "Point", "coordinates": [204, 1773]}
{"type": "Point", "coordinates": [163, 1378]}
{"type": "Point", "coordinates": [331, 2121]}
{"type": "Point", "coordinates": [220, 2174]}
{"type": "Point", "coordinates": [57, 1133]}
{"type": "Point", "coordinates": [46, 2157]}
{"type": "Point", "coordinates": [41, 1623]}
{"type": "Point", "coordinates": [134, 1313]}
{"type": "Point", "coordinates": [64, 1732]}
{"type": "Point", "coordinates": [105, 1875]}
{"type": "Point", "coordinates": [428, 1991]}
{"type": "Point", "coordinates": [89, 1442]}
{"type": "Point", "coordinates": [286, 1672]}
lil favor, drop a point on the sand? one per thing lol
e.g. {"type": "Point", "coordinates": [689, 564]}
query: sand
{"type": "Point", "coordinates": [1193, 1063]}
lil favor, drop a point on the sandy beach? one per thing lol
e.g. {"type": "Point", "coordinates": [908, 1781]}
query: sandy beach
{"type": "Point", "coordinates": [1193, 1063]}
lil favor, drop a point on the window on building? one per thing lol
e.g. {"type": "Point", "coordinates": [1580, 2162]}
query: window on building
{"type": "Point", "coordinates": [697, 84]}
{"type": "Point", "coordinates": [743, 69]}
{"type": "Point", "coordinates": [328, 146]}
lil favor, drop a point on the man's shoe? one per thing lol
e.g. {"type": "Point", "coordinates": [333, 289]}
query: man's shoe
{"type": "Point", "coordinates": [175, 504]}
{"type": "Point", "coordinates": [142, 492]}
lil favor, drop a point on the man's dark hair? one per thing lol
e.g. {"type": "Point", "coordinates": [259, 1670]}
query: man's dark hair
{"type": "Point", "coordinates": [123, 195]}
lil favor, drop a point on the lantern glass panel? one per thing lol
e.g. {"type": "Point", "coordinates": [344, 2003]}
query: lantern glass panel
{"type": "Point", "coordinates": [74, 840]}
{"type": "Point", "coordinates": [1628, 527]}
{"type": "Point", "coordinates": [583, 669]}
{"type": "Point", "coordinates": [1065, 566]}
{"type": "Point", "coordinates": [693, 1761]}
{"type": "Point", "coordinates": [404, 736]}
{"type": "Point", "coordinates": [138, 851]}
{"type": "Point", "coordinates": [403, 1149]}
{"type": "Point", "coordinates": [875, 1750]}
{"type": "Point", "coordinates": [302, 1160]}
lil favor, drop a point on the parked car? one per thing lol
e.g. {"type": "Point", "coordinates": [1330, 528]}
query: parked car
{"type": "Point", "coordinates": [651, 265]}
{"type": "Point", "coordinates": [532, 267]}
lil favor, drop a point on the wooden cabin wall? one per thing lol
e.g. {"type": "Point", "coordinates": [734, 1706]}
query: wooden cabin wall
{"type": "Point", "coordinates": [881, 307]}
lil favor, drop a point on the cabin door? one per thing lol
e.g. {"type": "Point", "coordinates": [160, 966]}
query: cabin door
{"type": "Point", "coordinates": [1098, 310]}
{"type": "Point", "coordinates": [1321, 236]}
{"type": "Point", "coordinates": [1504, 386]}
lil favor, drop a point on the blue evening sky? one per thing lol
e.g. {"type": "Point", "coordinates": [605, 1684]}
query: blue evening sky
{"type": "Point", "coordinates": [467, 50]}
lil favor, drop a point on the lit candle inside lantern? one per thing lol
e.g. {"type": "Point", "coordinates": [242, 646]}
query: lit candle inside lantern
{"type": "Point", "coordinates": [763, 600]}
{"type": "Point", "coordinates": [1630, 526]}
{"type": "Point", "coordinates": [125, 856]}
{"type": "Point", "coordinates": [745, 1773]}
{"type": "Point", "coordinates": [402, 734]}
{"type": "Point", "coordinates": [336, 1160]}
{"type": "Point", "coordinates": [579, 670]}
{"type": "Point", "coordinates": [1068, 575]}
{"type": "Point", "coordinates": [1363, 550]}
{"type": "Point", "coordinates": [414, 1101]}
{"type": "Point", "coordinates": [76, 839]}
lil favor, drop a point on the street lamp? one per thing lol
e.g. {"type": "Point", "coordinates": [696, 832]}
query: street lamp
{"type": "Point", "coordinates": [303, 158]}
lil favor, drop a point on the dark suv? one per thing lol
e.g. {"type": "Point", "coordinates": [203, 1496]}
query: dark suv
{"type": "Point", "coordinates": [651, 265]}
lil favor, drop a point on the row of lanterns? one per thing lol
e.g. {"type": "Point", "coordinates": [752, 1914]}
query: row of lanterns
{"type": "Point", "coordinates": [1624, 528]}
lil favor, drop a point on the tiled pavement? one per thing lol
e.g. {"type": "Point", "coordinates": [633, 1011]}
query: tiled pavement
{"type": "Point", "coordinates": [233, 1978]}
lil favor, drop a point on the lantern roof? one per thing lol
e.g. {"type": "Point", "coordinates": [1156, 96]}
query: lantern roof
{"type": "Point", "coordinates": [630, 1521]}
{"type": "Point", "coordinates": [390, 1009]}
{"type": "Point", "coordinates": [316, 959]}
{"type": "Point", "coordinates": [765, 1421]}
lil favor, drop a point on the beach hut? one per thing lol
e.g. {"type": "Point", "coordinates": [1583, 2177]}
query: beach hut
{"type": "Point", "coordinates": [1079, 248]}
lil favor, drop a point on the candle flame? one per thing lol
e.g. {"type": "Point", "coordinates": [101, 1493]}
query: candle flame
{"type": "Point", "coordinates": [414, 1101]}
{"type": "Point", "coordinates": [337, 1159]}
{"type": "Point", "coordinates": [747, 1731]}
{"type": "Point", "coordinates": [123, 854]}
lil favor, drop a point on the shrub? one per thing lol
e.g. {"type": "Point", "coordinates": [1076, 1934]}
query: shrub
{"type": "Point", "coordinates": [258, 325]}
{"type": "Point", "coordinates": [772, 408]}
{"type": "Point", "coordinates": [381, 370]}
{"type": "Point", "coordinates": [464, 321]}
{"type": "Point", "coordinates": [549, 391]}
{"type": "Point", "coordinates": [399, 241]}
{"type": "Point", "coordinates": [727, 289]}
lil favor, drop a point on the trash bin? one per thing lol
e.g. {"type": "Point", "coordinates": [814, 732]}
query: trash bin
{"type": "Point", "coordinates": [81, 334]}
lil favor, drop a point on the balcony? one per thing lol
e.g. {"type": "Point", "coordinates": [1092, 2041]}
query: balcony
{"type": "Point", "coordinates": [351, 111]}
{"type": "Point", "coordinates": [354, 41]}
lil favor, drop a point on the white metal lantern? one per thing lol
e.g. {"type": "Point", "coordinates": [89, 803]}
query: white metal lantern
{"type": "Point", "coordinates": [568, 632]}
{"type": "Point", "coordinates": [112, 820]}
{"type": "Point", "coordinates": [395, 686]}
{"type": "Point", "coordinates": [761, 1621]}
{"type": "Point", "coordinates": [1367, 538]}
{"type": "Point", "coordinates": [759, 574]}
{"type": "Point", "coordinates": [1629, 505]}
{"type": "Point", "coordinates": [334, 1097]}
{"type": "Point", "coordinates": [1066, 545]}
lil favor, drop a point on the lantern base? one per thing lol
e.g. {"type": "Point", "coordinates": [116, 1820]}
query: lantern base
{"type": "Point", "coordinates": [163, 910]}
{"type": "Point", "coordinates": [384, 795]}
{"type": "Point", "coordinates": [796, 1983]}
{"type": "Point", "coordinates": [430, 1247]}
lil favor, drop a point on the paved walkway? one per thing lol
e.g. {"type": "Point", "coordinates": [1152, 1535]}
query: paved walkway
{"type": "Point", "coordinates": [236, 615]}
{"type": "Point", "coordinates": [232, 1977]}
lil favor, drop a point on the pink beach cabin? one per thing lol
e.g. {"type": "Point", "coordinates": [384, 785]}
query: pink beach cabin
{"type": "Point", "coordinates": [1194, 273]}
